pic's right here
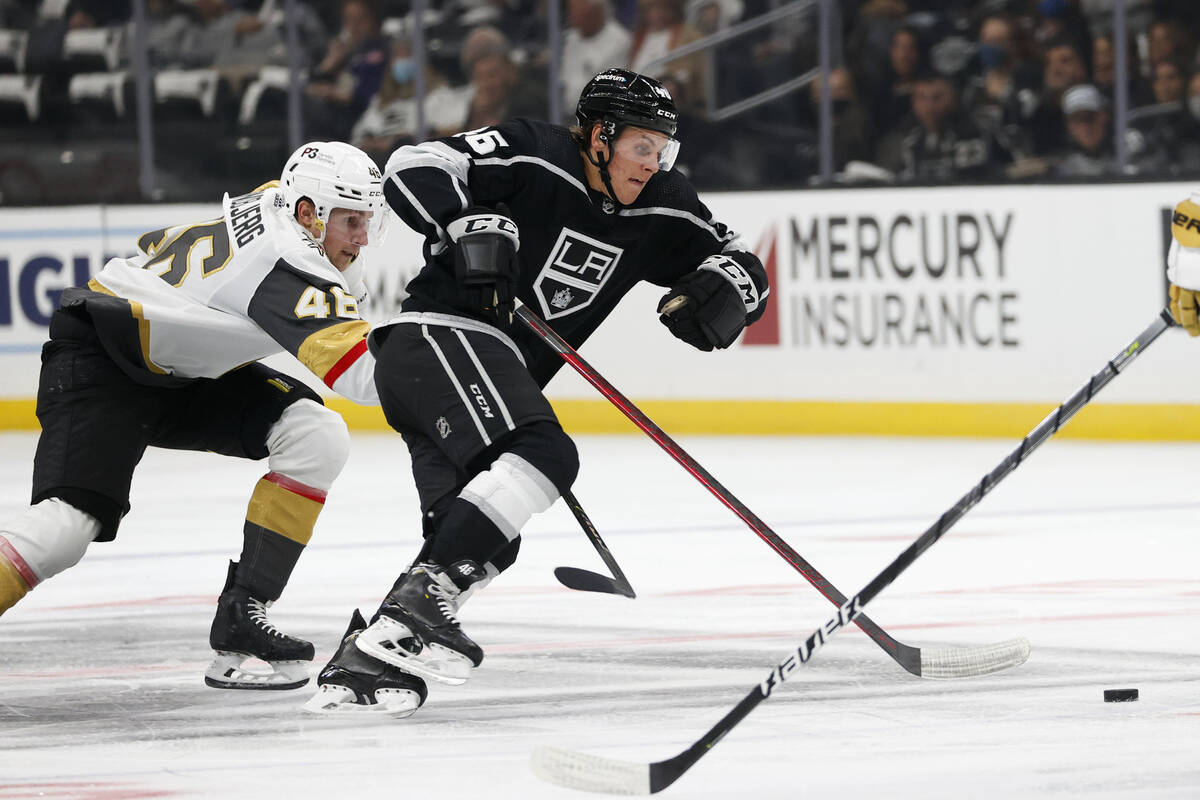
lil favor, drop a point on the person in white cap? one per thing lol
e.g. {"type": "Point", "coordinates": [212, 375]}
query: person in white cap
{"type": "Point", "coordinates": [1089, 152]}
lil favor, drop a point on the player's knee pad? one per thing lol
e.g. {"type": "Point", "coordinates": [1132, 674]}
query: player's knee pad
{"type": "Point", "coordinates": [548, 449]}
{"type": "Point", "coordinates": [510, 493]}
{"type": "Point", "coordinates": [309, 444]}
{"type": "Point", "coordinates": [47, 539]}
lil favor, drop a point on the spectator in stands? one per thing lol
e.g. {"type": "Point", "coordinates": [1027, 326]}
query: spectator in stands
{"type": "Point", "coordinates": [942, 145]}
{"type": "Point", "coordinates": [594, 41]}
{"type": "Point", "coordinates": [659, 30]}
{"type": "Point", "coordinates": [1165, 134]}
{"type": "Point", "coordinates": [391, 118]}
{"type": "Point", "coordinates": [853, 130]}
{"type": "Point", "coordinates": [1060, 20]}
{"type": "Point", "coordinates": [891, 98]}
{"type": "Point", "coordinates": [1169, 40]}
{"type": "Point", "coordinates": [349, 75]}
{"type": "Point", "coordinates": [1168, 82]}
{"type": "Point", "coordinates": [1104, 70]}
{"type": "Point", "coordinates": [1063, 67]}
{"type": "Point", "coordinates": [996, 96]}
{"type": "Point", "coordinates": [1089, 152]}
{"type": "Point", "coordinates": [521, 89]}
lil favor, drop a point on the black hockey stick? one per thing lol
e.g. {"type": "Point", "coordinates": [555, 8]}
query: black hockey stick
{"type": "Point", "coordinates": [599, 774]}
{"type": "Point", "coordinates": [584, 580]}
{"type": "Point", "coordinates": [956, 662]}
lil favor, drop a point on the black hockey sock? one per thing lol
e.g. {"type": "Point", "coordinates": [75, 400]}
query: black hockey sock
{"type": "Point", "coordinates": [267, 561]}
{"type": "Point", "coordinates": [466, 532]}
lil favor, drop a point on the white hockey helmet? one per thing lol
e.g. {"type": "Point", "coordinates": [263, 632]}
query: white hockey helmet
{"type": "Point", "coordinates": [335, 175]}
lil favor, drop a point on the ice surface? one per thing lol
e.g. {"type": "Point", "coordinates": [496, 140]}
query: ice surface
{"type": "Point", "coordinates": [1090, 550]}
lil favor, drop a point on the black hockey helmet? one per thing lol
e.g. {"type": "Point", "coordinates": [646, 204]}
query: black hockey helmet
{"type": "Point", "coordinates": [622, 97]}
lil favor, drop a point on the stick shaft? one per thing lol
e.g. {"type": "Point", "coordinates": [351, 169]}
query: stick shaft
{"type": "Point", "coordinates": [908, 657]}
{"type": "Point", "coordinates": [663, 773]}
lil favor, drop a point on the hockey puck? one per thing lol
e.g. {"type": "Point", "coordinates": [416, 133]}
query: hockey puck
{"type": "Point", "coordinates": [1120, 695]}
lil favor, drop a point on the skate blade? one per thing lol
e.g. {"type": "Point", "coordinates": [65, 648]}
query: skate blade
{"type": "Point", "coordinates": [334, 699]}
{"type": "Point", "coordinates": [385, 640]}
{"type": "Point", "coordinates": [229, 671]}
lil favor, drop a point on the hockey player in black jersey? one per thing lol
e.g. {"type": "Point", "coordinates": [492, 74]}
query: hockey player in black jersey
{"type": "Point", "coordinates": [161, 350]}
{"type": "Point", "coordinates": [566, 221]}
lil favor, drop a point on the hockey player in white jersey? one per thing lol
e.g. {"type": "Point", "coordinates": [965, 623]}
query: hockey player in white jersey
{"type": "Point", "coordinates": [161, 350]}
{"type": "Point", "coordinates": [1183, 264]}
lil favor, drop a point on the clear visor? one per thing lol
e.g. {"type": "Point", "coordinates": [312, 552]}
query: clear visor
{"type": "Point", "coordinates": [649, 148]}
{"type": "Point", "coordinates": [363, 228]}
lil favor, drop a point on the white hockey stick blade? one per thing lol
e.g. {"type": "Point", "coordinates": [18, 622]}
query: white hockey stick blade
{"type": "Point", "coordinates": [589, 773]}
{"type": "Point", "coordinates": [971, 662]}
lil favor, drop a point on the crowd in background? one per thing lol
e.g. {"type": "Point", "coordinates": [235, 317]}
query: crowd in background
{"type": "Point", "coordinates": [923, 91]}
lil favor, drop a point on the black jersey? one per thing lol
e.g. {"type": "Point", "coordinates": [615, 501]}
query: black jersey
{"type": "Point", "coordinates": [579, 254]}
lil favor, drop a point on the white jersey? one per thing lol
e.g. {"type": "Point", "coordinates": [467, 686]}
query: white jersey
{"type": "Point", "coordinates": [209, 297]}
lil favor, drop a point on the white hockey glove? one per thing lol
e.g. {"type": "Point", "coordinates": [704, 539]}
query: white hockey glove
{"type": "Point", "coordinates": [1183, 264]}
{"type": "Point", "coordinates": [485, 261]}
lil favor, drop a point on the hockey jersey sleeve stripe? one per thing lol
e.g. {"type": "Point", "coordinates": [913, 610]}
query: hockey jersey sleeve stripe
{"type": "Point", "coordinates": [325, 349]}
{"type": "Point", "coordinates": [430, 154]}
{"type": "Point", "coordinates": [357, 383]}
{"type": "Point", "coordinates": [344, 363]}
{"type": "Point", "coordinates": [679, 213]}
{"type": "Point", "coordinates": [139, 317]}
{"type": "Point", "coordinates": [431, 228]}
{"type": "Point", "coordinates": [541, 162]}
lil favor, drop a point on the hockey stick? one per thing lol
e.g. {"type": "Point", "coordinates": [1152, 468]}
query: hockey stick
{"type": "Point", "coordinates": [583, 580]}
{"type": "Point", "coordinates": [599, 774]}
{"type": "Point", "coordinates": [956, 662]}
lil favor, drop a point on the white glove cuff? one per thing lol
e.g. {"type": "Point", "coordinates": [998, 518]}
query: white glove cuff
{"type": "Point", "coordinates": [737, 275]}
{"type": "Point", "coordinates": [471, 224]}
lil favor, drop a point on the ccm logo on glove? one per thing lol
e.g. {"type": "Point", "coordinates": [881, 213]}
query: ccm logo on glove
{"type": "Point", "coordinates": [707, 308]}
{"type": "Point", "coordinates": [485, 262]}
{"type": "Point", "coordinates": [736, 274]}
{"type": "Point", "coordinates": [473, 221]}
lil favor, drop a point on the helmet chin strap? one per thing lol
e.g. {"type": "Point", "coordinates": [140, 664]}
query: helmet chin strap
{"type": "Point", "coordinates": [602, 163]}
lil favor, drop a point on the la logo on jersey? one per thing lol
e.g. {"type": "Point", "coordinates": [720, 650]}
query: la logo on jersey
{"type": "Point", "coordinates": [574, 273]}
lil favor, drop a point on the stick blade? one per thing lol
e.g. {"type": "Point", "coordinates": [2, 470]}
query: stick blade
{"type": "Point", "coordinates": [972, 662]}
{"type": "Point", "coordinates": [589, 773]}
{"type": "Point", "coordinates": [582, 580]}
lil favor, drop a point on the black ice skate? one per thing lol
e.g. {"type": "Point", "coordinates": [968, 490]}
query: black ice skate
{"type": "Point", "coordinates": [241, 631]}
{"type": "Point", "coordinates": [354, 682]}
{"type": "Point", "coordinates": [417, 630]}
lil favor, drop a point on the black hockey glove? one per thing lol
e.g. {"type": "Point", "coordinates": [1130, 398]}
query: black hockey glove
{"type": "Point", "coordinates": [485, 261]}
{"type": "Point", "coordinates": [704, 308]}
